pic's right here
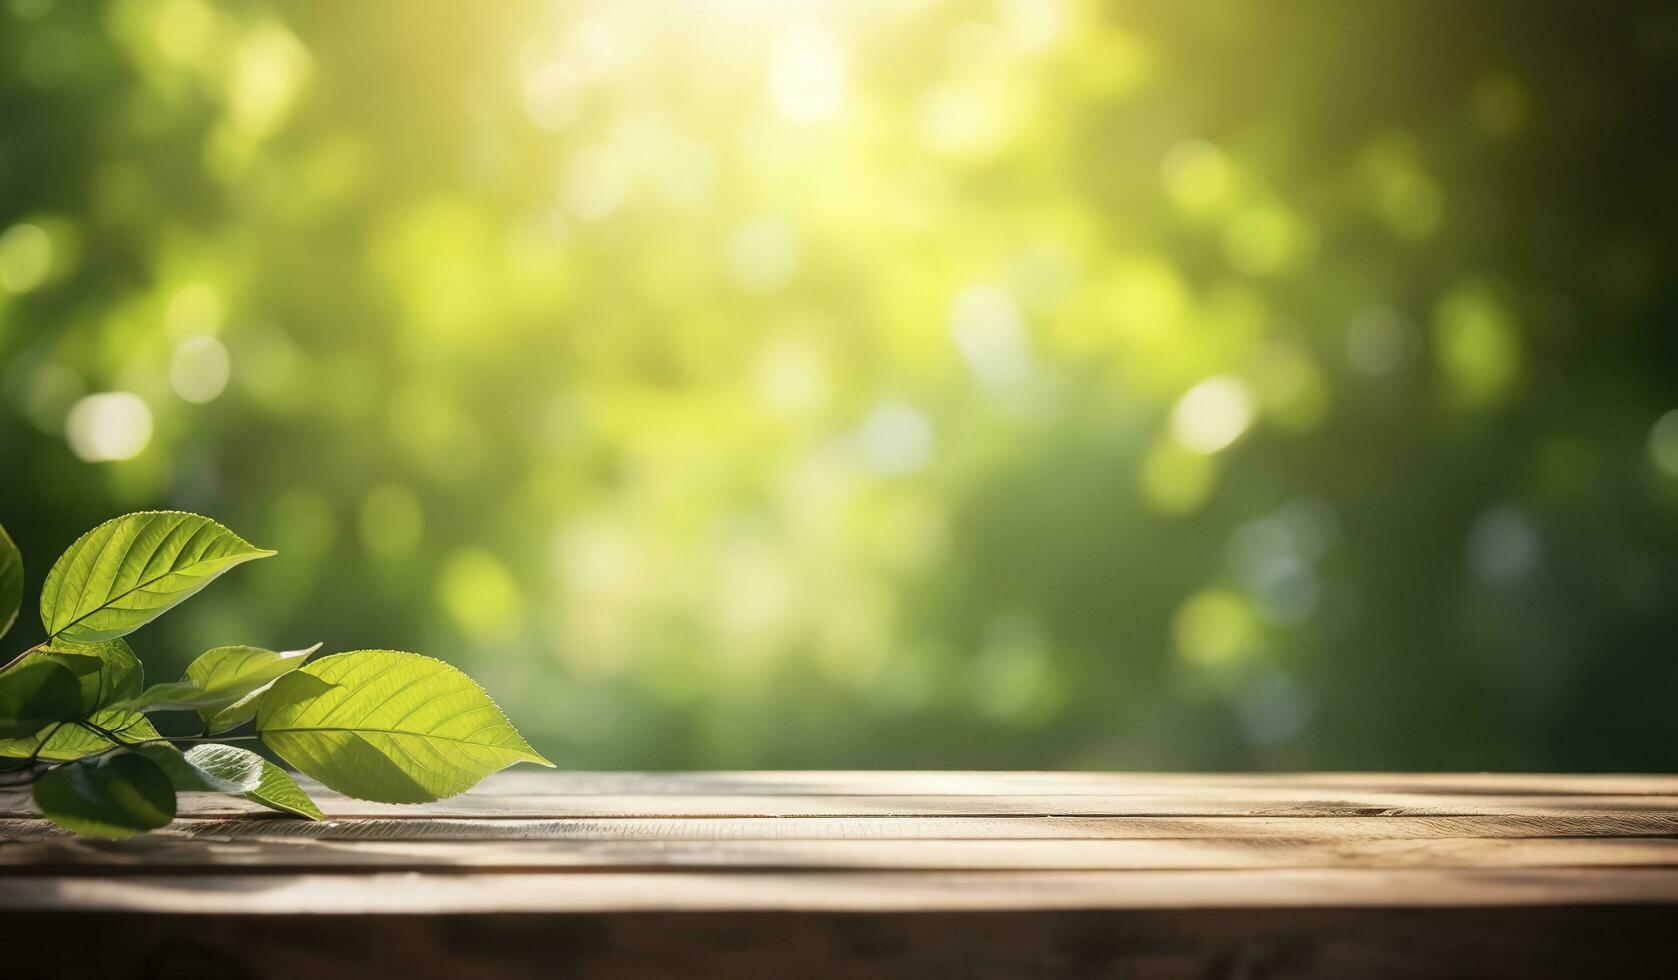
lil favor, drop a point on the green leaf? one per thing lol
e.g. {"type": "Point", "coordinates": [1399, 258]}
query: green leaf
{"type": "Point", "coordinates": [229, 765]}
{"type": "Point", "coordinates": [389, 726]}
{"type": "Point", "coordinates": [238, 712]}
{"type": "Point", "coordinates": [223, 684]}
{"type": "Point", "coordinates": [108, 673]}
{"type": "Point", "coordinates": [214, 768]}
{"type": "Point", "coordinates": [206, 768]}
{"type": "Point", "coordinates": [250, 671]}
{"type": "Point", "coordinates": [108, 670]}
{"type": "Point", "coordinates": [35, 695]}
{"type": "Point", "coordinates": [170, 694]}
{"type": "Point", "coordinates": [118, 795]}
{"type": "Point", "coordinates": [72, 742]}
{"type": "Point", "coordinates": [126, 572]}
{"type": "Point", "coordinates": [278, 791]}
{"type": "Point", "coordinates": [244, 773]}
{"type": "Point", "coordinates": [11, 581]}
{"type": "Point", "coordinates": [238, 670]}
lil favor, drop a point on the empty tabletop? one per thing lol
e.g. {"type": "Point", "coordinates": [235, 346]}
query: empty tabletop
{"type": "Point", "coordinates": [875, 874]}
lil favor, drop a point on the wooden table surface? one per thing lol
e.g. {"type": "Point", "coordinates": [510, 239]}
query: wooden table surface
{"type": "Point", "coordinates": [878, 874]}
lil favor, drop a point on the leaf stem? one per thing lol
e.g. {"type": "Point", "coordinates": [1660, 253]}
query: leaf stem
{"type": "Point", "coordinates": [32, 769]}
{"type": "Point", "coordinates": [107, 734]}
{"type": "Point", "coordinates": [35, 756]}
{"type": "Point", "coordinates": [39, 646]}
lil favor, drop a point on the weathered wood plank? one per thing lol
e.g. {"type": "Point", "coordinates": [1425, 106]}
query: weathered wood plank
{"type": "Point", "coordinates": [282, 857]}
{"type": "Point", "coordinates": [232, 893]}
{"type": "Point", "coordinates": [1025, 874]}
{"type": "Point", "coordinates": [533, 790]}
{"type": "Point", "coordinates": [1281, 801]}
{"type": "Point", "coordinates": [799, 825]}
{"type": "Point", "coordinates": [265, 825]}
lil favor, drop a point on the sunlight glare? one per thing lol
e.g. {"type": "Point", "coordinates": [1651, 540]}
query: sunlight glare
{"type": "Point", "coordinates": [807, 76]}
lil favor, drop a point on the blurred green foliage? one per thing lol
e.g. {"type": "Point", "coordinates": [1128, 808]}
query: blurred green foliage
{"type": "Point", "coordinates": [890, 383]}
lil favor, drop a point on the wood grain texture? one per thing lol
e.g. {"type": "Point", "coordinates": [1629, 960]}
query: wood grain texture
{"type": "Point", "coordinates": [1277, 801]}
{"type": "Point", "coordinates": [888, 874]}
{"type": "Point", "coordinates": [234, 891]}
{"type": "Point", "coordinates": [269, 826]}
{"type": "Point", "coordinates": [67, 856]}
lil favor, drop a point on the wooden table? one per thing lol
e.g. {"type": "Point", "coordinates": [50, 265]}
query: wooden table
{"type": "Point", "coordinates": [860, 874]}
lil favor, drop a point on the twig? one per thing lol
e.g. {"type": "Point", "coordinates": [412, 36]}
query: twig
{"type": "Point", "coordinates": [14, 660]}
{"type": "Point", "coordinates": [31, 769]}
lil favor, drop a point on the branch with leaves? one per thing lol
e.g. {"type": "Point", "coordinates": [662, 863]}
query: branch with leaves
{"type": "Point", "coordinates": [374, 724]}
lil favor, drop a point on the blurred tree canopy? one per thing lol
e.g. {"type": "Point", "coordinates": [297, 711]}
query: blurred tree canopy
{"type": "Point", "coordinates": [890, 383]}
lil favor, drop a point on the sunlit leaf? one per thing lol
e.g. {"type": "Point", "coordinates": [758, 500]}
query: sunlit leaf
{"type": "Point", "coordinates": [11, 581]}
{"type": "Point", "coordinates": [128, 571]}
{"type": "Point", "coordinates": [170, 694]}
{"type": "Point", "coordinates": [72, 741]}
{"type": "Point", "coordinates": [35, 695]}
{"type": "Point", "coordinates": [243, 669]}
{"type": "Point", "coordinates": [278, 791]}
{"type": "Point", "coordinates": [118, 795]}
{"type": "Point", "coordinates": [229, 764]}
{"type": "Point", "coordinates": [206, 768]}
{"type": "Point", "coordinates": [241, 675]}
{"type": "Point", "coordinates": [107, 672]}
{"type": "Point", "coordinates": [238, 712]}
{"type": "Point", "coordinates": [241, 772]}
{"type": "Point", "coordinates": [223, 684]}
{"type": "Point", "coordinates": [389, 726]}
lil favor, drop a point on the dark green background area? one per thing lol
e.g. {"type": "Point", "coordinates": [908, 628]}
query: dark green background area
{"type": "Point", "coordinates": [557, 449]}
